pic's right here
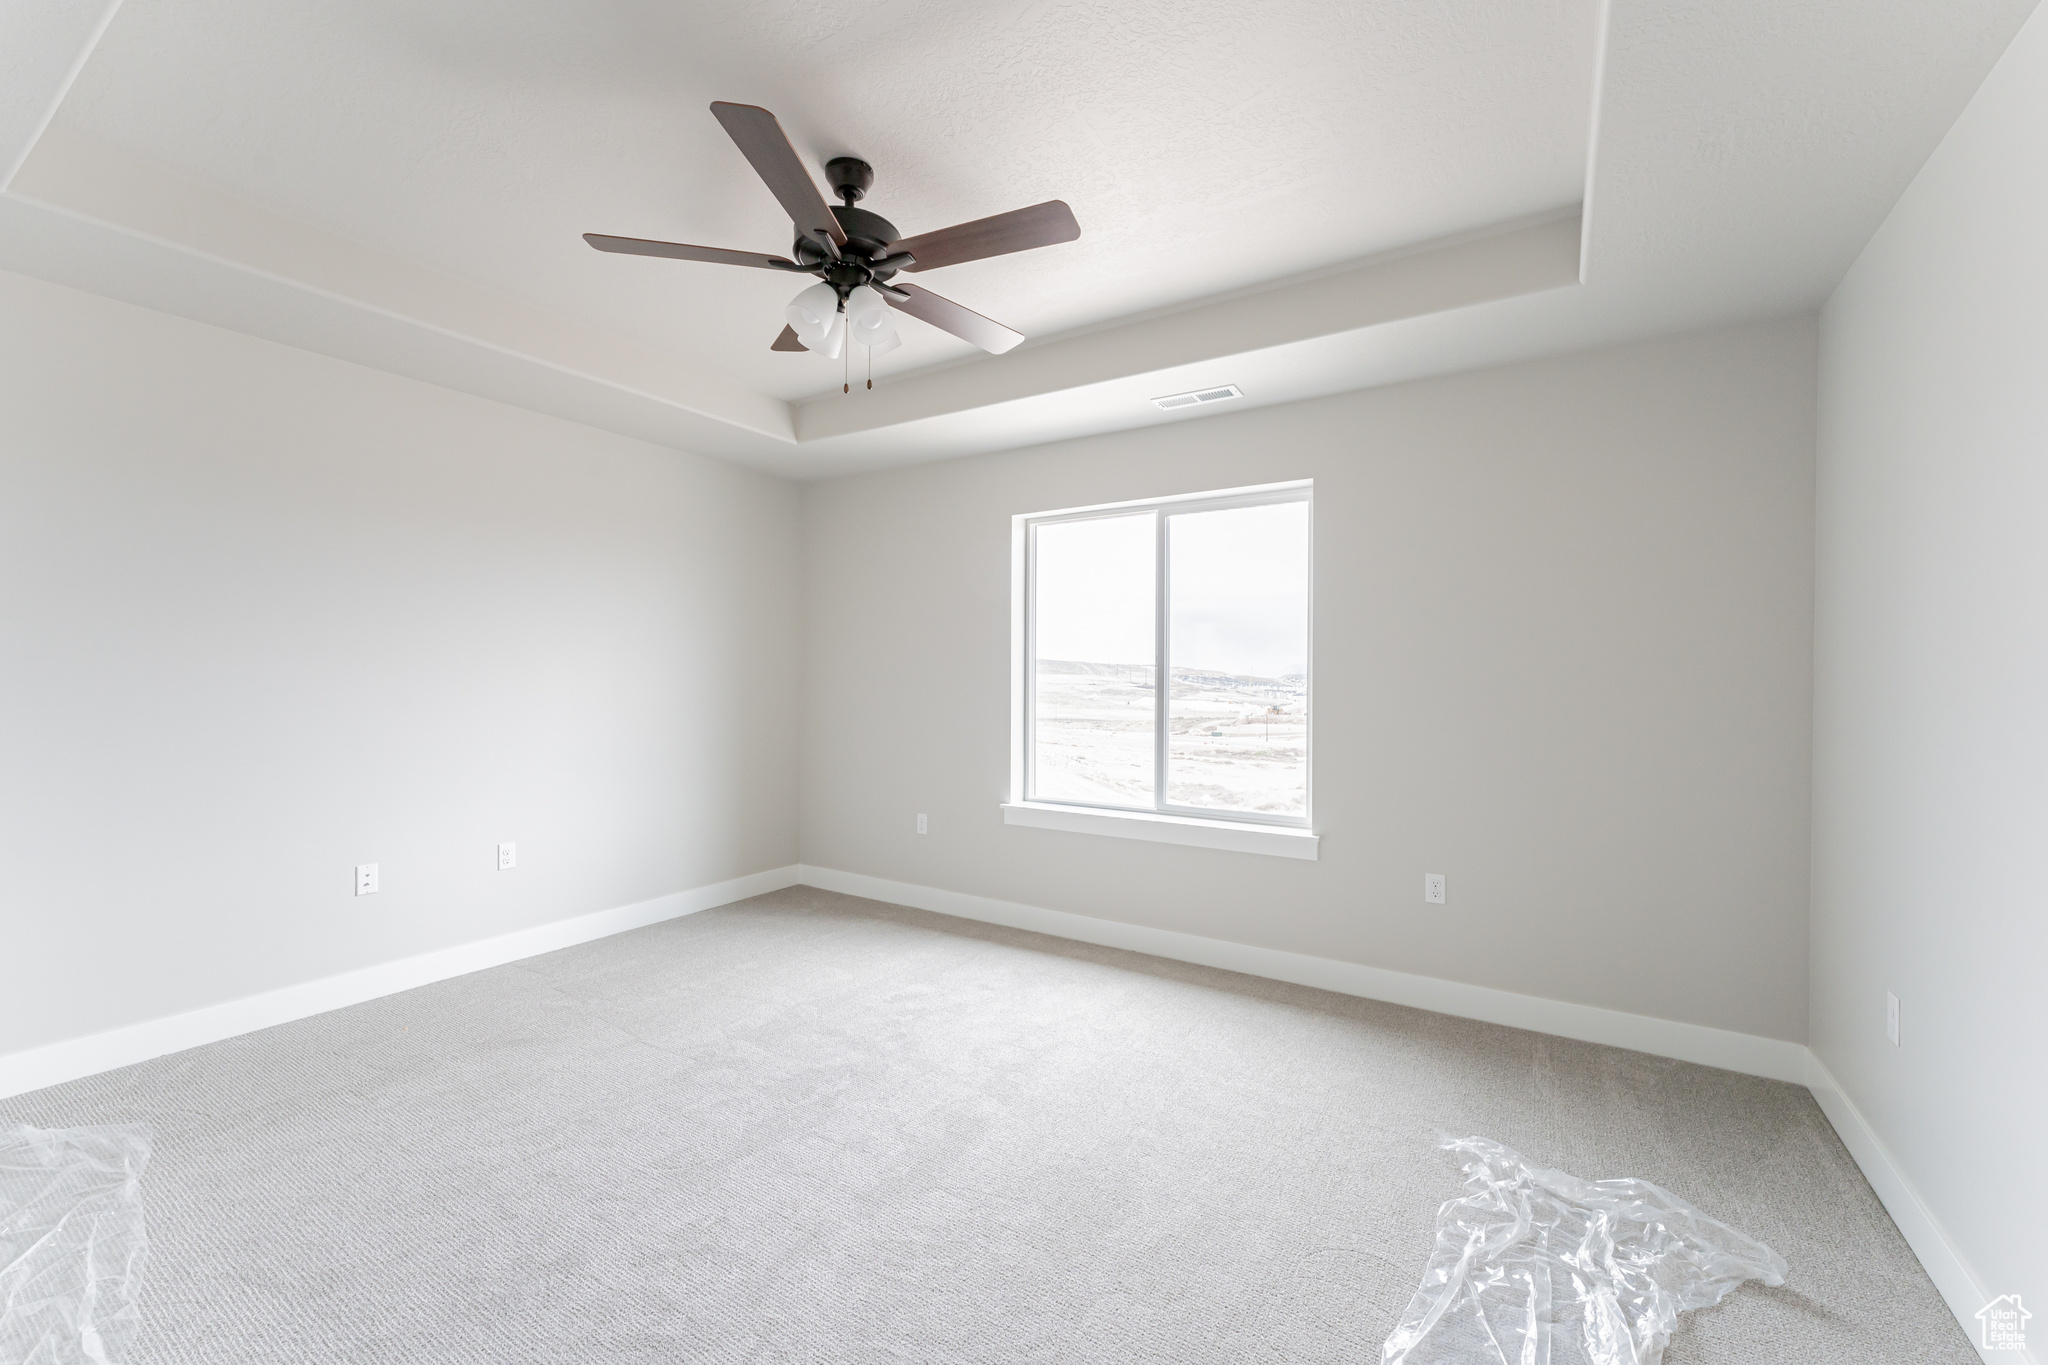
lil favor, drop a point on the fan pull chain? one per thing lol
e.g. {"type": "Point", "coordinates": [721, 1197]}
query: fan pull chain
{"type": "Point", "coordinates": [846, 370]}
{"type": "Point", "coordinates": [871, 367]}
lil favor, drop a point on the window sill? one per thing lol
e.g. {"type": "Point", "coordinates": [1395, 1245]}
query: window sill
{"type": "Point", "coordinates": [1276, 840]}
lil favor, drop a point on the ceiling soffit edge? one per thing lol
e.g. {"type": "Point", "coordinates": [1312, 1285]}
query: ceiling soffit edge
{"type": "Point", "coordinates": [1473, 268]}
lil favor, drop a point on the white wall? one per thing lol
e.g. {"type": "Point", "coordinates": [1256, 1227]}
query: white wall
{"type": "Point", "coordinates": [265, 615]}
{"type": "Point", "coordinates": [1931, 701]}
{"type": "Point", "coordinates": [1562, 654]}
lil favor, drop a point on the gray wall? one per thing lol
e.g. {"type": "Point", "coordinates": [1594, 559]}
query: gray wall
{"type": "Point", "coordinates": [265, 615]}
{"type": "Point", "coordinates": [1931, 698]}
{"type": "Point", "coordinates": [1562, 654]}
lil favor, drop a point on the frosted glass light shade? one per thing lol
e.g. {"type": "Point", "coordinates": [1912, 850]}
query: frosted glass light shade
{"type": "Point", "coordinates": [815, 318]}
{"type": "Point", "coordinates": [870, 321]}
{"type": "Point", "coordinates": [835, 338]}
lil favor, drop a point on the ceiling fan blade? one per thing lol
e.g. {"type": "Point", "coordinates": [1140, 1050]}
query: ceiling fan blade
{"type": "Point", "coordinates": [762, 141]}
{"type": "Point", "coordinates": [787, 341]}
{"type": "Point", "coordinates": [1017, 230]}
{"type": "Point", "coordinates": [949, 316]}
{"type": "Point", "coordinates": [636, 246]}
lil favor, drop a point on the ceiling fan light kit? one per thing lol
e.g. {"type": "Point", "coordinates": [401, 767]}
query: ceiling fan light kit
{"type": "Point", "coordinates": [869, 321]}
{"type": "Point", "coordinates": [855, 253]}
{"type": "Point", "coordinates": [815, 317]}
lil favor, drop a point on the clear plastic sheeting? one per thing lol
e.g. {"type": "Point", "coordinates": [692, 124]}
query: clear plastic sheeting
{"type": "Point", "coordinates": [1536, 1267]}
{"type": "Point", "coordinates": [71, 1243]}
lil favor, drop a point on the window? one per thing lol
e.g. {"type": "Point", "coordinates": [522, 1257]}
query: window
{"type": "Point", "coordinates": [1212, 594]}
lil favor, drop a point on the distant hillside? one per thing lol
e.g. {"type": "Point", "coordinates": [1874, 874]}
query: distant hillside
{"type": "Point", "coordinates": [1095, 670]}
{"type": "Point", "coordinates": [1141, 674]}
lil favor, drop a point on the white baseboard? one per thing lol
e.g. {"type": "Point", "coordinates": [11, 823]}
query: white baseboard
{"type": "Point", "coordinates": [1770, 1057]}
{"type": "Point", "coordinates": [1686, 1042]}
{"type": "Point", "coordinates": [57, 1062]}
{"type": "Point", "coordinates": [1773, 1058]}
{"type": "Point", "coordinates": [1958, 1283]}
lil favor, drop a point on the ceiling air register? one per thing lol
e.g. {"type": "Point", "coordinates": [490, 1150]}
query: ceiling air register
{"type": "Point", "coordinates": [1197, 397]}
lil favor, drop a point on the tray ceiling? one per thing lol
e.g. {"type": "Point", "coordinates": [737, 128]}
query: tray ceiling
{"type": "Point", "coordinates": [1204, 145]}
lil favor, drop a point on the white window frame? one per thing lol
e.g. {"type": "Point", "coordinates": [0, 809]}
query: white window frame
{"type": "Point", "coordinates": [1243, 831]}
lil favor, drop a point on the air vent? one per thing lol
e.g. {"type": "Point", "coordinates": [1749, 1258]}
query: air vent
{"type": "Point", "coordinates": [1188, 400]}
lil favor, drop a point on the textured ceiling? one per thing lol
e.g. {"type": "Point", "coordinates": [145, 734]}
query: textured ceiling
{"type": "Point", "coordinates": [1204, 146]}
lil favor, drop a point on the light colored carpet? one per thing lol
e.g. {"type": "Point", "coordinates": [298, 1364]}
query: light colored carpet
{"type": "Point", "coordinates": [810, 1128]}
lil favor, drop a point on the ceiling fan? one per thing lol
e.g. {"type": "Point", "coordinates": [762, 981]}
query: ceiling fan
{"type": "Point", "coordinates": [854, 253]}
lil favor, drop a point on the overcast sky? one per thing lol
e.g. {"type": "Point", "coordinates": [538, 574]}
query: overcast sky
{"type": "Point", "coordinates": [1240, 589]}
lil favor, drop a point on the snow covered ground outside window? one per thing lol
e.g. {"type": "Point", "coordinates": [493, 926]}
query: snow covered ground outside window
{"type": "Point", "coordinates": [1236, 742]}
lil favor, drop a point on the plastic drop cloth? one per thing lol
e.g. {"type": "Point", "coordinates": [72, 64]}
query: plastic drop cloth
{"type": "Point", "coordinates": [1536, 1267]}
{"type": "Point", "coordinates": [71, 1243]}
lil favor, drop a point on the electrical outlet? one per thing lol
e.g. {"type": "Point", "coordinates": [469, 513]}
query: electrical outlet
{"type": "Point", "coordinates": [366, 879]}
{"type": "Point", "coordinates": [1891, 1017]}
{"type": "Point", "coordinates": [508, 857]}
{"type": "Point", "coordinates": [1433, 887]}
{"type": "Point", "coordinates": [920, 824]}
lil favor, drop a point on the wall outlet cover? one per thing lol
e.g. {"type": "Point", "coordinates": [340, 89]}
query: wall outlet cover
{"type": "Point", "coordinates": [920, 824]}
{"type": "Point", "coordinates": [366, 879]}
{"type": "Point", "coordinates": [1433, 887]}
{"type": "Point", "coordinates": [508, 857]}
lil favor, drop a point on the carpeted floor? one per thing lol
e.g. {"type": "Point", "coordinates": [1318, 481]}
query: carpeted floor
{"type": "Point", "coordinates": [810, 1128]}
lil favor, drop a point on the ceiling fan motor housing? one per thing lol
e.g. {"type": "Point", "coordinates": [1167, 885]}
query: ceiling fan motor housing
{"type": "Point", "coordinates": [868, 236]}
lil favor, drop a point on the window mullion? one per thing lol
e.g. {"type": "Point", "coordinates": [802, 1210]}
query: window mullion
{"type": "Point", "coordinates": [1162, 678]}
{"type": "Point", "coordinates": [1030, 684]}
